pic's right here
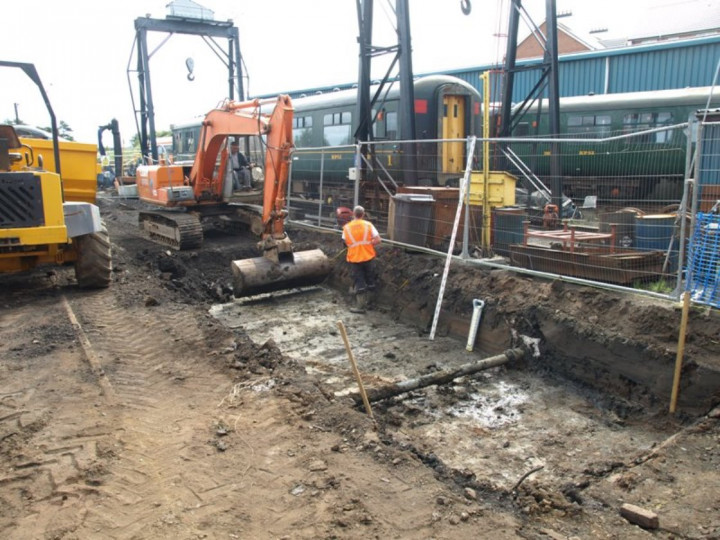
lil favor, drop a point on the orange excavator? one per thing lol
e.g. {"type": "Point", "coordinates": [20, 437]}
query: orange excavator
{"type": "Point", "coordinates": [203, 192]}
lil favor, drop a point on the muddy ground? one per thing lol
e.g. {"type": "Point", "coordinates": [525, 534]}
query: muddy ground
{"type": "Point", "coordinates": [161, 407]}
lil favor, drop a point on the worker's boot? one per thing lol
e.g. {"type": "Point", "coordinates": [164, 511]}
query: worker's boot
{"type": "Point", "coordinates": [360, 302]}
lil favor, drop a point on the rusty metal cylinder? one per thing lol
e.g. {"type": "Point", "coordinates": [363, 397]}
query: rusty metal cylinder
{"type": "Point", "coordinates": [261, 275]}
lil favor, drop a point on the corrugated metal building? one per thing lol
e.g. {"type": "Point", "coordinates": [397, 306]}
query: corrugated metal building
{"type": "Point", "coordinates": [657, 66]}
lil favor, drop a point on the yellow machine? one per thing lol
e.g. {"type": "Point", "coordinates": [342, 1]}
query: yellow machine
{"type": "Point", "coordinates": [37, 226]}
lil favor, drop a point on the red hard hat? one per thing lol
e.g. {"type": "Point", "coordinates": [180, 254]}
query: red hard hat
{"type": "Point", "coordinates": [343, 214]}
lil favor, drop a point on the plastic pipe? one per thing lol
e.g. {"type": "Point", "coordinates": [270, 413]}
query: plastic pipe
{"type": "Point", "coordinates": [478, 306]}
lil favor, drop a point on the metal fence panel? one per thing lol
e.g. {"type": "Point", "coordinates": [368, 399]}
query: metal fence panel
{"type": "Point", "coordinates": [620, 226]}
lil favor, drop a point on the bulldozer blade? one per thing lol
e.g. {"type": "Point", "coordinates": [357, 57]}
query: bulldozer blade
{"type": "Point", "coordinates": [261, 275]}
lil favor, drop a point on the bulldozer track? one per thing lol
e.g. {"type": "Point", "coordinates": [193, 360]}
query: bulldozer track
{"type": "Point", "coordinates": [174, 229]}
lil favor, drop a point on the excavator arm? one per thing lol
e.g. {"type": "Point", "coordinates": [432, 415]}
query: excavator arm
{"type": "Point", "coordinates": [277, 167]}
{"type": "Point", "coordinates": [275, 243]}
{"type": "Point", "coordinates": [278, 268]}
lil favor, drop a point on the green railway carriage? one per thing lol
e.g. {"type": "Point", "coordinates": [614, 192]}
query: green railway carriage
{"type": "Point", "coordinates": [650, 166]}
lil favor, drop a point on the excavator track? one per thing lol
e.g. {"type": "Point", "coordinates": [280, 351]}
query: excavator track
{"type": "Point", "coordinates": [174, 229]}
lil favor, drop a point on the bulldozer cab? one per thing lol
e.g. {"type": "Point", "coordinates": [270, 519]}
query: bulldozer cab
{"type": "Point", "coordinates": [8, 140]}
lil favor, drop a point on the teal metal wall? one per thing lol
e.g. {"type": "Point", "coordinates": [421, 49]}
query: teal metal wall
{"type": "Point", "coordinates": [658, 66]}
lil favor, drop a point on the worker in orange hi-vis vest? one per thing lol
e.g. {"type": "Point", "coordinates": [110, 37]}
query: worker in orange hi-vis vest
{"type": "Point", "coordinates": [361, 237]}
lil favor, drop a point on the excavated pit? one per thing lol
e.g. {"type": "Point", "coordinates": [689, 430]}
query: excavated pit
{"type": "Point", "coordinates": [497, 425]}
{"type": "Point", "coordinates": [622, 345]}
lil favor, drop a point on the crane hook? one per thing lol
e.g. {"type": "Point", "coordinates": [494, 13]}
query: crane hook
{"type": "Point", "coordinates": [190, 64]}
{"type": "Point", "coordinates": [465, 6]}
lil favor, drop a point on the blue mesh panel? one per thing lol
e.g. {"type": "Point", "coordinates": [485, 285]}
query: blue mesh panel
{"type": "Point", "coordinates": [704, 260]}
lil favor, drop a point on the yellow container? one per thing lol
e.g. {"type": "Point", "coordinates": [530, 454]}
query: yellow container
{"type": "Point", "coordinates": [501, 188]}
{"type": "Point", "coordinates": [78, 166]}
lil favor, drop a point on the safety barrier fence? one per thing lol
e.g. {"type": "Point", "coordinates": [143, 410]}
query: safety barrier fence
{"type": "Point", "coordinates": [703, 266]}
{"type": "Point", "coordinates": [619, 225]}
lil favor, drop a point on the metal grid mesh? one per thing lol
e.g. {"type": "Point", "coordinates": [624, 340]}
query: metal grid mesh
{"type": "Point", "coordinates": [704, 260]}
{"type": "Point", "coordinates": [623, 228]}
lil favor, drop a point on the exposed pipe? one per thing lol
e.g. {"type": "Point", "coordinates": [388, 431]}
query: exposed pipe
{"type": "Point", "coordinates": [478, 306]}
{"type": "Point", "coordinates": [440, 377]}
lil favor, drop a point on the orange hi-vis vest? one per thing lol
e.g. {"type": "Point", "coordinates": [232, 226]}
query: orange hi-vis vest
{"type": "Point", "coordinates": [358, 238]}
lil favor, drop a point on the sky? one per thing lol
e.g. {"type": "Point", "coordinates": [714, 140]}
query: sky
{"type": "Point", "coordinates": [82, 50]}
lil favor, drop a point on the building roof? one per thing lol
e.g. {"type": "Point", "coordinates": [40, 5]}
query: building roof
{"type": "Point", "coordinates": [662, 20]}
{"type": "Point", "coordinates": [677, 18]}
{"type": "Point", "coordinates": [568, 42]}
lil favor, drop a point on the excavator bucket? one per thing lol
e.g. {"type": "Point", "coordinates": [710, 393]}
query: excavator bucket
{"type": "Point", "coordinates": [262, 275]}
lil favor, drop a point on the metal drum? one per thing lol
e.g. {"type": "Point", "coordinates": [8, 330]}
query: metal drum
{"type": "Point", "coordinates": [658, 233]}
{"type": "Point", "coordinates": [507, 228]}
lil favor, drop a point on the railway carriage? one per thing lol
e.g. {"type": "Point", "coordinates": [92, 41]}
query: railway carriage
{"type": "Point", "coordinates": [324, 125]}
{"type": "Point", "coordinates": [648, 167]}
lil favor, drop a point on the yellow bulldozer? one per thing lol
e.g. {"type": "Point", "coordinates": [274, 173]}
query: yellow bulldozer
{"type": "Point", "coordinates": [43, 220]}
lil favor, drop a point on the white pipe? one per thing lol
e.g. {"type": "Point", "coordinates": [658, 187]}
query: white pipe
{"type": "Point", "coordinates": [478, 306]}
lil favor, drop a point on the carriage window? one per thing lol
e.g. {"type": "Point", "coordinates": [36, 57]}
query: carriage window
{"type": "Point", "coordinates": [663, 119]}
{"type": "Point", "coordinates": [634, 122]}
{"type": "Point", "coordinates": [337, 128]}
{"type": "Point", "coordinates": [302, 131]}
{"type": "Point", "coordinates": [593, 126]}
{"type": "Point", "coordinates": [522, 130]}
{"type": "Point", "coordinates": [379, 130]}
{"type": "Point", "coordinates": [391, 125]}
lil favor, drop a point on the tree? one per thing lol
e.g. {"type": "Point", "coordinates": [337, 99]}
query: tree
{"type": "Point", "coordinates": [64, 130]}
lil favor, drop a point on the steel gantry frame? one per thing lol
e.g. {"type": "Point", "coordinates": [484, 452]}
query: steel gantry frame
{"type": "Point", "coordinates": [548, 80]}
{"type": "Point", "coordinates": [403, 55]}
{"type": "Point", "coordinates": [208, 30]}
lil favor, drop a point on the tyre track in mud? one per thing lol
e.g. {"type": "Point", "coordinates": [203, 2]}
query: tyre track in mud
{"type": "Point", "coordinates": [166, 407]}
{"type": "Point", "coordinates": [50, 437]}
{"type": "Point", "coordinates": [168, 476]}
{"type": "Point", "coordinates": [129, 451]}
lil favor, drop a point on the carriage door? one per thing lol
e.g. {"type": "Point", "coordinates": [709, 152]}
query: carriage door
{"type": "Point", "coordinates": [453, 127]}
